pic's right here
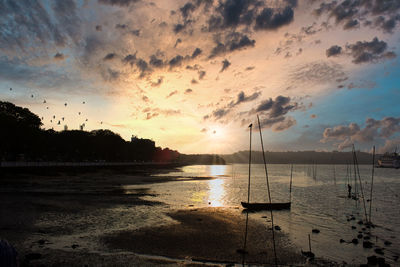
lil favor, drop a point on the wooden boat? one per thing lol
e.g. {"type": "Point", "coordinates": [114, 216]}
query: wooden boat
{"type": "Point", "coordinates": [266, 206]}
{"type": "Point", "coordinates": [256, 206]}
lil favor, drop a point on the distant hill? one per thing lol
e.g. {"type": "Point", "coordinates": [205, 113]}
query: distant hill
{"type": "Point", "coordinates": [299, 157]}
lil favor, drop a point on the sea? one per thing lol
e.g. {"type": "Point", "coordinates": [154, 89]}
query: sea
{"type": "Point", "coordinates": [319, 201]}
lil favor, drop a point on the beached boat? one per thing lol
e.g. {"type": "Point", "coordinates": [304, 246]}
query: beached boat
{"type": "Point", "coordinates": [389, 160]}
{"type": "Point", "coordinates": [256, 206]}
{"type": "Point", "coordinates": [266, 206]}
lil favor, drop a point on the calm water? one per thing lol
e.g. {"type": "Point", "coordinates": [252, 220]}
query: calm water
{"type": "Point", "coordinates": [318, 202]}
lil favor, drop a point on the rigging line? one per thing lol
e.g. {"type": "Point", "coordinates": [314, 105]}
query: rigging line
{"type": "Point", "coordinates": [269, 192]}
{"type": "Point", "coordinates": [361, 187]}
{"type": "Point", "coordinates": [372, 183]}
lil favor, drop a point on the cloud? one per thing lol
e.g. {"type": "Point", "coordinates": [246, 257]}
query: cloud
{"type": "Point", "coordinates": [349, 13]}
{"type": "Point", "coordinates": [364, 51]}
{"type": "Point", "coordinates": [156, 62]}
{"type": "Point", "coordinates": [271, 19]}
{"type": "Point", "coordinates": [176, 61]}
{"type": "Point", "coordinates": [188, 91]}
{"type": "Point", "coordinates": [233, 41]}
{"type": "Point", "coordinates": [99, 28]}
{"type": "Point", "coordinates": [196, 52]}
{"type": "Point", "coordinates": [383, 129]}
{"type": "Point", "coordinates": [241, 98]}
{"type": "Point", "coordinates": [121, 26]}
{"type": "Point", "coordinates": [225, 65]}
{"type": "Point", "coordinates": [121, 3]}
{"type": "Point", "coordinates": [171, 94]}
{"type": "Point", "coordinates": [59, 56]}
{"type": "Point", "coordinates": [275, 108]}
{"type": "Point", "coordinates": [149, 115]}
{"type": "Point", "coordinates": [131, 59]}
{"type": "Point", "coordinates": [202, 73]}
{"type": "Point", "coordinates": [109, 56]}
{"type": "Point", "coordinates": [333, 51]}
{"type": "Point", "coordinates": [317, 72]}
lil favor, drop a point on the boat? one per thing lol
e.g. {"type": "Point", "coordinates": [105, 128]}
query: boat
{"type": "Point", "coordinates": [389, 160]}
{"type": "Point", "coordinates": [266, 206]}
{"type": "Point", "coordinates": [257, 206]}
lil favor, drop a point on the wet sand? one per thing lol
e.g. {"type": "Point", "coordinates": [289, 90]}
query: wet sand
{"type": "Point", "coordinates": [78, 219]}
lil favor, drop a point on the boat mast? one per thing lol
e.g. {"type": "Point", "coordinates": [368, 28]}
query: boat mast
{"type": "Point", "coordinates": [248, 189]}
{"type": "Point", "coordinates": [269, 192]}
{"type": "Point", "coordinates": [290, 186]}
{"type": "Point", "coordinates": [372, 184]}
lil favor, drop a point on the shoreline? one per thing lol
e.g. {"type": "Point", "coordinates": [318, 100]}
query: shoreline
{"type": "Point", "coordinates": [93, 218]}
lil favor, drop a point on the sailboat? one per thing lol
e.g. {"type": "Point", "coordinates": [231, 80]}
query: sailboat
{"type": "Point", "coordinates": [256, 206]}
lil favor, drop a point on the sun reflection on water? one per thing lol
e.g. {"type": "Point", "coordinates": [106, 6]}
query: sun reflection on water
{"type": "Point", "coordinates": [216, 193]}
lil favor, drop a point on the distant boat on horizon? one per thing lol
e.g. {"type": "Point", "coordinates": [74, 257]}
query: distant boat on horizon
{"type": "Point", "coordinates": [389, 160]}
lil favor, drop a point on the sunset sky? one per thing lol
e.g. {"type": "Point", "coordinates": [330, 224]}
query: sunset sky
{"type": "Point", "coordinates": [192, 75]}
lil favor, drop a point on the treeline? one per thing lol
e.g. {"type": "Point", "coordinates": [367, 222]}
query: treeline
{"type": "Point", "coordinates": [201, 159]}
{"type": "Point", "coordinates": [299, 157]}
{"type": "Point", "coordinates": [21, 138]}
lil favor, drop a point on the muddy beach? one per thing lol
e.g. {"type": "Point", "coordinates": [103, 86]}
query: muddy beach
{"type": "Point", "coordinates": [94, 219]}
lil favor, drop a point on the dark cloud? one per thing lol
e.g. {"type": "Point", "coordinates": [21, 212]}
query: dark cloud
{"type": "Point", "coordinates": [99, 28]}
{"type": "Point", "coordinates": [121, 26]}
{"type": "Point", "coordinates": [219, 113]}
{"type": "Point", "coordinates": [187, 9]}
{"type": "Point", "coordinates": [179, 27]}
{"type": "Point", "coordinates": [118, 2]}
{"type": "Point", "coordinates": [225, 65]}
{"type": "Point", "coordinates": [333, 51]}
{"type": "Point", "coordinates": [350, 12]}
{"type": "Point", "coordinates": [145, 99]}
{"type": "Point", "coordinates": [364, 51]}
{"type": "Point", "coordinates": [176, 61]}
{"type": "Point", "coordinates": [350, 24]}
{"type": "Point", "coordinates": [202, 73]}
{"type": "Point", "coordinates": [135, 32]}
{"type": "Point", "coordinates": [131, 59]}
{"type": "Point", "coordinates": [275, 108]}
{"type": "Point", "coordinates": [196, 52]}
{"type": "Point", "coordinates": [241, 98]}
{"type": "Point", "coordinates": [156, 62]}
{"type": "Point", "coordinates": [142, 66]}
{"type": "Point", "coordinates": [59, 56]}
{"type": "Point", "coordinates": [384, 129]}
{"type": "Point", "coordinates": [194, 81]}
{"type": "Point", "coordinates": [171, 94]}
{"type": "Point", "coordinates": [271, 19]}
{"type": "Point", "coordinates": [110, 75]}
{"type": "Point", "coordinates": [109, 56]}
{"type": "Point", "coordinates": [233, 41]}
{"type": "Point", "coordinates": [204, 130]}
{"type": "Point", "coordinates": [149, 115]}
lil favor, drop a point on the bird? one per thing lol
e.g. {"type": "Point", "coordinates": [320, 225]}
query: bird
{"type": "Point", "coordinates": [83, 102]}
{"type": "Point", "coordinates": [62, 118]}
{"type": "Point", "coordinates": [32, 96]}
{"type": "Point", "coordinates": [86, 120]}
{"type": "Point", "coordinates": [58, 122]}
{"type": "Point", "coordinates": [101, 122]}
{"type": "Point", "coordinates": [65, 104]}
{"type": "Point", "coordinates": [51, 121]}
{"type": "Point", "coordinates": [54, 116]}
{"type": "Point", "coordinates": [79, 113]}
{"type": "Point", "coordinates": [44, 101]}
{"type": "Point", "coordinates": [10, 89]}
{"type": "Point", "coordinates": [251, 125]}
{"type": "Point", "coordinates": [47, 107]}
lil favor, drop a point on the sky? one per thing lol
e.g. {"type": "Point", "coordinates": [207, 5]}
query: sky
{"type": "Point", "coordinates": [193, 74]}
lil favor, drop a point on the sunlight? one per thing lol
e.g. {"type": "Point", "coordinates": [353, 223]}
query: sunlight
{"type": "Point", "coordinates": [217, 170]}
{"type": "Point", "coordinates": [216, 193]}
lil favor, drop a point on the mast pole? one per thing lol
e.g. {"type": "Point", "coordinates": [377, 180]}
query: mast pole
{"type": "Point", "coordinates": [248, 189]}
{"type": "Point", "coordinates": [290, 185]}
{"type": "Point", "coordinates": [269, 192]}
{"type": "Point", "coordinates": [372, 183]}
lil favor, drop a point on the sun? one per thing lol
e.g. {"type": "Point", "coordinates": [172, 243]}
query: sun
{"type": "Point", "coordinates": [217, 132]}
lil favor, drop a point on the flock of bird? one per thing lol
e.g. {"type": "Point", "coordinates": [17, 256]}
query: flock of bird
{"type": "Point", "coordinates": [81, 126]}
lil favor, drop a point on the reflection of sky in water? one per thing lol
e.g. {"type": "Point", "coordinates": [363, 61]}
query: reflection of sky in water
{"type": "Point", "coordinates": [217, 170]}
